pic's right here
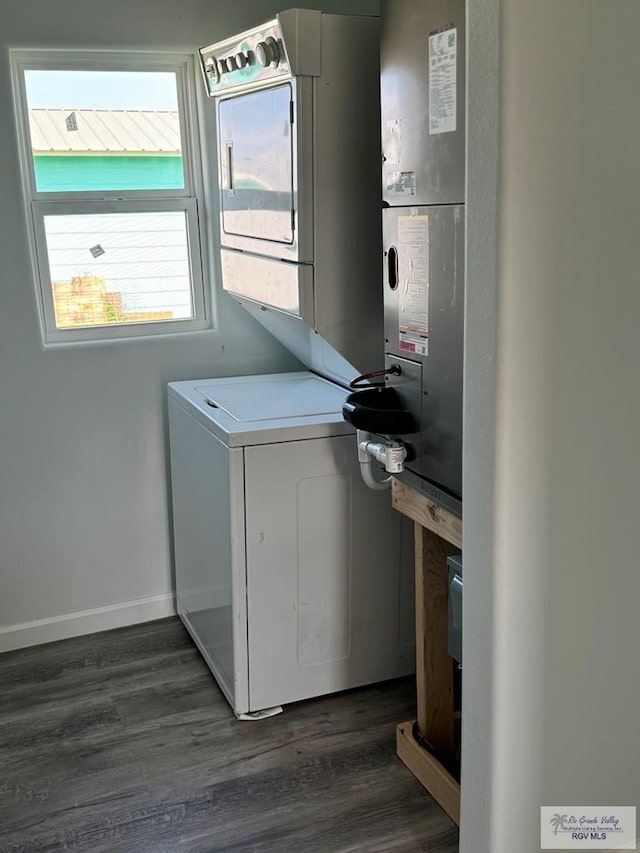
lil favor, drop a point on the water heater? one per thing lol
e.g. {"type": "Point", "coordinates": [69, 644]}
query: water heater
{"type": "Point", "coordinates": [423, 176]}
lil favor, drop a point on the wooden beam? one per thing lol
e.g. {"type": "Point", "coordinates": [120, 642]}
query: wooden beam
{"type": "Point", "coordinates": [426, 513]}
{"type": "Point", "coordinates": [428, 770]}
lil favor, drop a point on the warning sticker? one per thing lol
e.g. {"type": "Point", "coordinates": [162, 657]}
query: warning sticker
{"type": "Point", "coordinates": [413, 284]}
{"type": "Point", "coordinates": [402, 183]}
{"type": "Point", "coordinates": [443, 91]}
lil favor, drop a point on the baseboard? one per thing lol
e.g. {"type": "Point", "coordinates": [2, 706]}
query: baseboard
{"type": "Point", "coordinates": [24, 634]}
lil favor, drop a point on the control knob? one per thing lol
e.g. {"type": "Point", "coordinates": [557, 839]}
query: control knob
{"type": "Point", "coordinates": [241, 60]}
{"type": "Point", "coordinates": [212, 69]}
{"type": "Point", "coordinates": [267, 52]}
{"type": "Point", "coordinates": [231, 63]}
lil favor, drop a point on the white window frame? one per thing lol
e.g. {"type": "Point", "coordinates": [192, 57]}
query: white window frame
{"type": "Point", "coordinates": [41, 204]}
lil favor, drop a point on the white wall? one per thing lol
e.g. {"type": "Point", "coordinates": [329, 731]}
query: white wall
{"type": "Point", "coordinates": [552, 470]}
{"type": "Point", "coordinates": [84, 512]}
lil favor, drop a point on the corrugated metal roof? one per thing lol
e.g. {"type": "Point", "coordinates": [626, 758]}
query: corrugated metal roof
{"type": "Point", "coordinates": [104, 131]}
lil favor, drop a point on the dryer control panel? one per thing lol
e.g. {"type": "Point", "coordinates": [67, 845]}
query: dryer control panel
{"type": "Point", "coordinates": [285, 47]}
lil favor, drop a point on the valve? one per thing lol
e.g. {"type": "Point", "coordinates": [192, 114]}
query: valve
{"type": "Point", "coordinates": [391, 454]}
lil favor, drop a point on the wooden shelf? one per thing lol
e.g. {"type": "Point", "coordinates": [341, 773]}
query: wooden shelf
{"type": "Point", "coordinates": [437, 535]}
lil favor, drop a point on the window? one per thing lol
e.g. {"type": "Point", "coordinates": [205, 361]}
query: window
{"type": "Point", "coordinates": [111, 176]}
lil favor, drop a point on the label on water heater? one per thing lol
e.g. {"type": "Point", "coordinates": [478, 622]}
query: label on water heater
{"type": "Point", "coordinates": [413, 284]}
{"type": "Point", "coordinates": [443, 93]}
{"type": "Point", "coordinates": [402, 183]}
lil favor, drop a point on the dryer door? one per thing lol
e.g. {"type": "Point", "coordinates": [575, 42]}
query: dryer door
{"type": "Point", "coordinates": [256, 150]}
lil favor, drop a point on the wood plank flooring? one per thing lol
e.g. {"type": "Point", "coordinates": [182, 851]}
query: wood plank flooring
{"type": "Point", "coordinates": [121, 742]}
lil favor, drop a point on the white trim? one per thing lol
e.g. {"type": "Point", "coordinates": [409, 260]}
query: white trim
{"type": "Point", "coordinates": [183, 68]}
{"type": "Point", "coordinates": [24, 634]}
{"type": "Point", "coordinates": [38, 204]}
{"type": "Point", "coordinates": [54, 335]}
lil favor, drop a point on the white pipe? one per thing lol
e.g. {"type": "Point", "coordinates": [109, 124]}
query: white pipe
{"type": "Point", "coordinates": [370, 480]}
{"type": "Point", "coordinates": [362, 439]}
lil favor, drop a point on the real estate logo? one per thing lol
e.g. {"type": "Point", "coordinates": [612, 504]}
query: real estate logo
{"type": "Point", "coordinates": [588, 828]}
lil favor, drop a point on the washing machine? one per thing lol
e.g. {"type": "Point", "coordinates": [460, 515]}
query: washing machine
{"type": "Point", "coordinates": [293, 578]}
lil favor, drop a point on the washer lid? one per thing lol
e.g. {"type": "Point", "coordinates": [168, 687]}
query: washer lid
{"type": "Point", "coordinates": [274, 407]}
{"type": "Point", "coordinates": [275, 399]}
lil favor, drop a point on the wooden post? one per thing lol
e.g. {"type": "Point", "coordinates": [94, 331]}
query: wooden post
{"type": "Point", "coordinates": [434, 667]}
{"type": "Point", "coordinates": [431, 756]}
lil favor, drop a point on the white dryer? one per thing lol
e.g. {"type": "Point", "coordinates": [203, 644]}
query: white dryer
{"type": "Point", "coordinates": [288, 571]}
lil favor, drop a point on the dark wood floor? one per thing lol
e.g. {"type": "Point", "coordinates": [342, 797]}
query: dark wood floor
{"type": "Point", "coordinates": [122, 742]}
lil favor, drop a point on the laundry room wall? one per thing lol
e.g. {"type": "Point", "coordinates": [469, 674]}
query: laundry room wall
{"type": "Point", "coordinates": [551, 681]}
{"type": "Point", "coordinates": [85, 538]}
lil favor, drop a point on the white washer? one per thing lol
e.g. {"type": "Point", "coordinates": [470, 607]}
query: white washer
{"type": "Point", "coordinates": [290, 573]}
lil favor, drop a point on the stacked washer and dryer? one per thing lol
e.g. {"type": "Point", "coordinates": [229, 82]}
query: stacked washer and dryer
{"type": "Point", "coordinates": [293, 578]}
